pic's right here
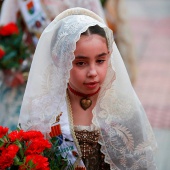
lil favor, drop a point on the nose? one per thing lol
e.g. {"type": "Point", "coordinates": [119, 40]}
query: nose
{"type": "Point", "coordinates": [92, 72]}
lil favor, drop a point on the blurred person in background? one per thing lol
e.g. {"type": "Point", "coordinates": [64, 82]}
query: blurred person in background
{"type": "Point", "coordinates": [117, 19]}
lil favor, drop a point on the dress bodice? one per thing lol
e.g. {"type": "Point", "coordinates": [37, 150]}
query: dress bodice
{"type": "Point", "coordinates": [92, 157]}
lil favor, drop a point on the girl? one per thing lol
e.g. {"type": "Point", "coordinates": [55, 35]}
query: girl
{"type": "Point", "coordinates": [79, 91]}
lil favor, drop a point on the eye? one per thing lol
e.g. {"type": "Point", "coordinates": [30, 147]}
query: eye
{"type": "Point", "coordinates": [100, 61]}
{"type": "Point", "coordinates": [81, 63]}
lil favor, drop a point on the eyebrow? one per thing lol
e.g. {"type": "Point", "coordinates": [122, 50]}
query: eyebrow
{"type": "Point", "coordinates": [102, 54]}
{"type": "Point", "coordinates": [84, 57]}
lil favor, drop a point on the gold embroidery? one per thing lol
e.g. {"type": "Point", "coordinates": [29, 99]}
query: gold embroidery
{"type": "Point", "coordinates": [87, 141]}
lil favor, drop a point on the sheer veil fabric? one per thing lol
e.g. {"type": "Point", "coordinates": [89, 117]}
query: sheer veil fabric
{"type": "Point", "coordinates": [126, 139]}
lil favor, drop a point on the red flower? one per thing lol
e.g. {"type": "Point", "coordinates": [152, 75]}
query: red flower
{"type": "Point", "coordinates": [37, 146]}
{"type": "Point", "coordinates": [41, 163]}
{"type": "Point", "coordinates": [23, 149]}
{"type": "Point", "coordinates": [15, 135]}
{"type": "Point", "coordinates": [9, 29]}
{"type": "Point", "coordinates": [7, 155]}
{"type": "Point", "coordinates": [32, 134]}
{"type": "Point", "coordinates": [3, 131]}
{"type": "Point", "coordinates": [2, 53]}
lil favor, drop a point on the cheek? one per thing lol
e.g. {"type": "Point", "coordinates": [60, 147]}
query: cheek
{"type": "Point", "coordinates": [74, 75]}
{"type": "Point", "coordinates": [103, 72]}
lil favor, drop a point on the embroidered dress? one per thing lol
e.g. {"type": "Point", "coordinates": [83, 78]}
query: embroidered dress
{"type": "Point", "coordinates": [92, 157]}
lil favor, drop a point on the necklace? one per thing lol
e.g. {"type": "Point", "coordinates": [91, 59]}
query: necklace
{"type": "Point", "coordinates": [85, 101]}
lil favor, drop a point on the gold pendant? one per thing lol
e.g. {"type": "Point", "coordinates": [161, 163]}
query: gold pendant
{"type": "Point", "coordinates": [85, 103]}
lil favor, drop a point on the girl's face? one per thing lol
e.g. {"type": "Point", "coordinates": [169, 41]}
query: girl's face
{"type": "Point", "coordinates": [90, 64]}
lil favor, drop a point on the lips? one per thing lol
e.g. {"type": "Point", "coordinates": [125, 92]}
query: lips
{"type": "Point", "coordinates": [91, 84]}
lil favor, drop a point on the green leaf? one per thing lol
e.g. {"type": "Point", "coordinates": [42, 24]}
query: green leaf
{"type": "Point", "coordinates": [9, 56]}
{"type": "Point", "coordinates": [31, 163]}
{"type": "Point", "coordinates": [20, 163]}
{"type": "Point", "coordinates": [1, 143]}
{"type": "Point", "coordinates": [17, 40]}
{"type": "Point", "coordinates": [21, 150]}
{"type": "Point", "coordinates": [18, 143]}
{"type": "Point", "coordinates": [16, 160]}
{"type": "Point", "coordinates": [2, 140]}
{"type": "Point", "coordinates": [6, 139]}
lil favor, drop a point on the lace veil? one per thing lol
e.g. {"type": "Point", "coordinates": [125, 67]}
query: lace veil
{"type": "Point", "coordinates": [126, 137]}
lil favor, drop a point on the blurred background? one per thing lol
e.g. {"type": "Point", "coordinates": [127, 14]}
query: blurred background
{"type": "Point", "coordinates": [150, 24]}
{"type": "Point", "coordinates": [142, 32]}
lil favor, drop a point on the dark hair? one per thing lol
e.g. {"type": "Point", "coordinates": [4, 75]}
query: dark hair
{"type": "Point", "coordinates": [96, 29]}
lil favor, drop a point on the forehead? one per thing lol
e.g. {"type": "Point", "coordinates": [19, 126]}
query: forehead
{"type": "Point", "coordinates": [91, 38]}
{"type": "Point", "coordinates": [91, 45]}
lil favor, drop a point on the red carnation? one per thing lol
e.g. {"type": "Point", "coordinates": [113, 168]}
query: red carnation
{"type": "Point", "coordinates": [32, 134]}
{"type": "Point", "coordinates": [3, 131]}
{"type": "Point", "coordinates": [16, 135]}
{"type": "Point", "coordinates": [7, 155]}
{"type": "Point", "coordinates": [2, 53]}
{"type": "Point", "coordinates": [41, 163]}
{"type": "Point", "coordinates": [37, 146]}
{"type": "Point", "coordinates": [9, 29]}
{"type": "Point", "coordinates": [12, 150]}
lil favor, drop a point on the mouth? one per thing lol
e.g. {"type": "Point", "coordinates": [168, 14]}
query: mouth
{"type": "Point", "coordinates": [91, 84]}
